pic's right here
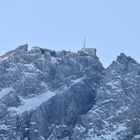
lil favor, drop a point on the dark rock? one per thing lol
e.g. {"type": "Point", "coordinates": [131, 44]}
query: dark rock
{"type": "Point", "coordinates": [11, 99]}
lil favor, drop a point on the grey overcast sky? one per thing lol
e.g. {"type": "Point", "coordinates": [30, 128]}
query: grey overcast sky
{"type": "Point", "coordinates": [111, 26]}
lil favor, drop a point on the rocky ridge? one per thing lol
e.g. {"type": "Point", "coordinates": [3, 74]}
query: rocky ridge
{"type": "Point", "coordinates": [49, 95]}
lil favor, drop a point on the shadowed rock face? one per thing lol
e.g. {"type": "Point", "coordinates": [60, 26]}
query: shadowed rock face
{"type": "Point", "coordinates": [48, 95]}
{"type": "Point", "coordinates": [116, 99]}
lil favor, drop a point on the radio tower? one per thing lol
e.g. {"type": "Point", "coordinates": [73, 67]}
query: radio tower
{"type": "Point", "coordinates": [84, 45]}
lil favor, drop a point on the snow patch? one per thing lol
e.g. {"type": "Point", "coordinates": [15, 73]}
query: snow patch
{"type": "Point", "coordinates": [33, 103]}
{"type": "Point", "coordinates": [80, 128]}
{"type": "Point", "coordinates": [136, 137]}
{"type": "Point", "coordinates": [110, 136]}
{"type": "Point", "coordinates": [3, 127]}
{"type": "Point", "coordinates": [33, 123]}
{"type": "Point", "coordinates": [108, 101]}
{"type": "Point", "coordinates": [5, 91]}
{"type": "Point", "coordinates": [77, 80]}
{"type": "Point", "coordinates": [53, 60]}
{"type": "Point", "coordinates": [113, 83]}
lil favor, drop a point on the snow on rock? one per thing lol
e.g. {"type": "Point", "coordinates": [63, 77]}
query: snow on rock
{"type": "Point", "coordinates": [109, 136]}
{"type": "Point", "coordinates": [53, 60]}
{"type": "Point", "coordinates": [137, 137]}
{"type": "Point", "coordinates": [3, 127]}
{"type": "Point", "coordinates": [2, 59]}
{"type": "Point", "coordinates": [5, 91]}
{"type": "Point", "coordinates": [77, 80]}
{"type": "Point", "coordinates": [33, 103]}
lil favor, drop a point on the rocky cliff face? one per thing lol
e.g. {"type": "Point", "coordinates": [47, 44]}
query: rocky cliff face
{"type": "Point", "coordinates": [48, 95]}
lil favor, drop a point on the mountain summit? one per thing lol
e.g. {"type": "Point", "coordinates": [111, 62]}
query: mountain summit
{"type": "Point", "coordinates": [63, 95]}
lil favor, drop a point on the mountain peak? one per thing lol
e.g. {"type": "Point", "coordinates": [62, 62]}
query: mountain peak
{"type": "Point", "coordinates": [124, 59]}
{"type": "Point", "coordinates": [23, 47]}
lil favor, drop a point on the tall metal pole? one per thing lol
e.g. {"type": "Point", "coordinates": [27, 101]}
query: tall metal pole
{"type": "Point", "coordinates": [84, 45]}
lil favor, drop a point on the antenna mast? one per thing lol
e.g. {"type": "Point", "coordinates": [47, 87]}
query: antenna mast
{"type": "Point", "coordinates": [84, 45]}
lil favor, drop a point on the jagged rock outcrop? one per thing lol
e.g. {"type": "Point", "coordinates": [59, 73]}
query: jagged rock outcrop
{"type": "Point", "coordinates": [111, 115]}
{"type": "Point", "coordinates": [49, 95]}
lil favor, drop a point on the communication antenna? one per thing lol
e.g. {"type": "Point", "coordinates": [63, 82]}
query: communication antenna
{"type": "Point", "coordinates": [84, 45]}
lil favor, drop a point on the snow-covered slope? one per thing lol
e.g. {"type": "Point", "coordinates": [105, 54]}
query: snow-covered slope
{"type": "Point", "coordinates": [48, 95]}
{"type": "Point", "coordinates": [32, 103]}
